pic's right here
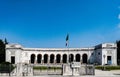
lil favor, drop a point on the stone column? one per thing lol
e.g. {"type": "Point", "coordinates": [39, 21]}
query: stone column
{"type": "Point", "coordinates": [67, 58]}
{"type": "Point", "coordinates": [62, 58]}
{"type": "Point", "coordinates": [55, 59]}
{"type": "Point", "coordinates": [74, 58]}
{"type": "Point", "coordinates": [81, 59]}
{"type": "Point", "coordinates": [42, 62]}
{"type": "Point", "coordinates": [35, 59]}
{"type": "Point", "coordinates": [48, 59]}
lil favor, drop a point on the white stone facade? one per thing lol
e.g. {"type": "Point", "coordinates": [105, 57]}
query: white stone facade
{"type": "Point", "coordinates": [15, 53]}
{"type": "Point", "coordinates": [106, 54]}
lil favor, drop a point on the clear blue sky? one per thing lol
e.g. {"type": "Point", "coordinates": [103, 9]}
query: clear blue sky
{"type": "Point", "coordinates": [45, 23]}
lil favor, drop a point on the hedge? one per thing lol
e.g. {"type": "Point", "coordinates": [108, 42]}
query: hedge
{"type": "Point", "coordinates": [45, 68]}
{"type": "Point", "coordinates": [108, 67]}
{"type": "Point", "coordinates": [6, 67]}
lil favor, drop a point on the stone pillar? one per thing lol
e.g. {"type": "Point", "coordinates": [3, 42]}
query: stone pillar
{"type": "Point", "coordinates": [55, 59]}
{"type": "Point", "coordinates": [48, 59]}
{"type": "Point", "coordinates": [74, 58]}
{"type": "Point", "coordinates": [61, 58]}
{"type": "Point", "coordinates": [35, 59]}
{"type": "Point", "coordinates": [42, 59]}
{"type": "Point", "coordinates": [67, 58]}
{"type": "Point", "coordinates": [81, 59]}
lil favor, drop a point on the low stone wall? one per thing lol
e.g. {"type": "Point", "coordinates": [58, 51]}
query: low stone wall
{"type": "Point", "coordinates": [87, 70]}
{"type": "Point", "coordinates": [47, 72]}
{"type": "Point", "coordinates": [82, 70]}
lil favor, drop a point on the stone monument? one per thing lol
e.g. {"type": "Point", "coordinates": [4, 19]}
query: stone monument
{"type": "Point", "coordinates": [72, 68]}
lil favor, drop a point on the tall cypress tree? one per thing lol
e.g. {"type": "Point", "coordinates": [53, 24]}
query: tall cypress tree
{"type": "Point", "coordinates": [5, 41]}
{"type": "Point", "coordinates": [2, 51]}
{"type": "Point", "coordinates": [118, 52]}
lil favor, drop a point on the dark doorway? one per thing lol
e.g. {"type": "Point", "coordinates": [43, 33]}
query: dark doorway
{"type": "Point", "coordinates": [64, 58]}
{"type": "Point", "coordinates": [52, 58]}
{"type": "Point", "coordinates": [77, 57]}
{"type": "Point", "coordinates": [109, 61]}
{"type": "Point", "coordinates": [45, 58]}
{"type": "Point", "coordinates": [58, 57]}
{"type": "Point", "coordinates": [39, 58]}
{"type": "Point", "coordinates": [13, 59]}
{"type": "Point", "coordinates": [84, 58]}
{"type": "Point", "coordinates": [33, 58]}
{"type": "Point", "coordinates": [71, 58]}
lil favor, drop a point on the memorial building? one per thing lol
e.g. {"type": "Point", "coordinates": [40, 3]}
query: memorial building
{"type": "Point", "coordinates": [101, 54]}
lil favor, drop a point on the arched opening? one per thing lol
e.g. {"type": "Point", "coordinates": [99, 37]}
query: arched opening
{"type": "Point", "coordinates": [77, 57]}
{"type": "Point", "coordinates": [51, 58]}
{"type": "Point", "coordinates": [33, 58]}
{"type": "Point", "coordinates": [58, 57]}
{"type": "Point", "coordinates": [71, 58]}
{"type": "Point", "coordinates": [64, 58]}
{"type": "Point", "coordinates": [45, 58]}
{"type": "Point", "coordinates": [39, 58]}
{"type": "Point", "coordinates": [84, 57]}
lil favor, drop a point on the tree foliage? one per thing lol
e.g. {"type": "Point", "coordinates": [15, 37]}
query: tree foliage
{"type": "Point", "coordinates": [5, 42]}
{"type": "Point", "coordinates": [2, 51]}
{"type": "Point", "coordinates": [118, 52]}
{"type": "Point", "coordinates": [2, 47]}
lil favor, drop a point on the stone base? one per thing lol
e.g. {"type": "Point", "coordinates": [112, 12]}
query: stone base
{"type": "Point", "coordinates": [68, 70]}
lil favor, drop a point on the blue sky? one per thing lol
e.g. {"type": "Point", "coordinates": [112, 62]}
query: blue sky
{"type": "Point", "coordinates": [45, 23]}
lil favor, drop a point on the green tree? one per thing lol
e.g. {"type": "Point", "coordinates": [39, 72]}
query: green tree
{"type": "Point", "coordinates": [5, 42]}
{"type": "Point", "coordinates": [2, 51]}
{"type": "Point", "coordinates": [118, 52]}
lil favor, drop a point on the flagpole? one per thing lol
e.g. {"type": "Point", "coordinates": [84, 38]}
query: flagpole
{"type": "Point", "coordinates": [67, 45]}
{"type": "Point", "coordinates": [69, 56]}
{"type": "Point", "coordinates": [68, 51]}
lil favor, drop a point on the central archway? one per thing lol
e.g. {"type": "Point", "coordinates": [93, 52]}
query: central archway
{"type": "Point", "coordinates": [77, 57]}
{"type": "Point", "coordinates": [71, 58]}
{"type": "Point", "coordinates": [39, 58]}
{"type": "Point", "coordinates": [45, 58]}
{"type": "Point", "coordinates": [51, 58]}
{"type": "Point", "coordinates": [58, 57]}
{"type": "Point", "coordinates": [64, 58]}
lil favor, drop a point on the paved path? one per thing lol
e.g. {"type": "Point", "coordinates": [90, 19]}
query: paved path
{"type": "Point", "coordinates": [107, 73]}
{"type": "Point", "coordinates": [98, 73]}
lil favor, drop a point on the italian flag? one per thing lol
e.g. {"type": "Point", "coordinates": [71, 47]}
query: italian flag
{"type": "Point", "coordinates": [67, 38]}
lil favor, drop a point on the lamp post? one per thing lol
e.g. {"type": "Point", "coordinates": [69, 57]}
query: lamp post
{"type": "Point", "coordinates": [104, 61]}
